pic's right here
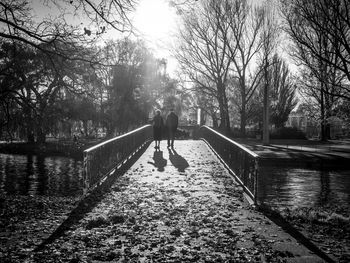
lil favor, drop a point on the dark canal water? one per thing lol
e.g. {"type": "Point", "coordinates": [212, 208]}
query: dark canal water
{"type": "Point", "coordinates": [40, 175]}
{"type": "Point", "coordinates": [300, 187]}
{"type": "Point", "coordinates": [278, 187]}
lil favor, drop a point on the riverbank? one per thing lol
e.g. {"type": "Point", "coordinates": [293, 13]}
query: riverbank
{"type": "Point", "coordinates": [326, 225]}
{"type": "Point", "coordinates": [303, 153]}
{"type": "Point", "coordinates": [25, 221]}
{"type": "Point", "coordinates": [29, 216]}
{"type": "Point", "coordinates": [66, 148]}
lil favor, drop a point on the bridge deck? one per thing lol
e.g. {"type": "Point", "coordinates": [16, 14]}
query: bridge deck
{"type": "Point", "coordinates": [178, 206]}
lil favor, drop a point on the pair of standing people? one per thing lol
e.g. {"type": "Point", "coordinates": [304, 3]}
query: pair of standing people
{"type": "Point", "coordinates": [171, 123]}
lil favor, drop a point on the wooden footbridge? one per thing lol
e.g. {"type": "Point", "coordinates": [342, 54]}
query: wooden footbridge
{"type": "Point", "coordinates": [181, 204]}
{"type": "Point", "coordinates": [103, 159]}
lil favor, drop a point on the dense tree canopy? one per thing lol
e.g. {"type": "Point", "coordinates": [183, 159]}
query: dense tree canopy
{"type": "Point", "coordinates": [56, 76]}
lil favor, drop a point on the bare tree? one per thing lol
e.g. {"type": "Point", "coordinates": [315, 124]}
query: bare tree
{"type": "Point", "coordinates": [203, 49]}
{"type": "Point", "coordinates": [319, 100]}
{"type": "Point", "coordinates": [282, 93]}
{"type": "Point", "coordinates": [320, 31]}
{"type": "Point", "coordinates": [206, 101]}
{"type": "Point", "coordinates": [17, 23]}
{"type": "Point", "coordinates": [244, 39]}
{"type": "Point", "coordinates": [269, 36]}
{"type": "Point", "coordinates": [222, 40]}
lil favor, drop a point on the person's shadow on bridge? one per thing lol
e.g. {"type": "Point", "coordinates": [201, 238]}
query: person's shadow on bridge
{"type": "Point", "coordinates": [159, 161]}
{"type": "Point", "coordinates": [177, 160]}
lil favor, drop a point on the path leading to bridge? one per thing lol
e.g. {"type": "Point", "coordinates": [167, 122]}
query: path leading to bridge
{"type": "Point", "coordinates": [175, 206]}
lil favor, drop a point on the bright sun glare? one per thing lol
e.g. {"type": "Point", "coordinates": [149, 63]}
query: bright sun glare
{"type": "Point", "coordinates": [155, 19]}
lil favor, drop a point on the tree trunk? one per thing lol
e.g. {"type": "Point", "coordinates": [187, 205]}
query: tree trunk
{"type": "Point", "coordinates": [243, 123]}
{"type": "Point", "coordinates": [221, 110]}
{"type": "Point", "coordinates": [323, 119]}
{"type": "Point", "coordinates": [243, 108]}
{"type": "Point", "coordinates": [202, 118]}
{"type": "Point", "coordinates": [85, 128]}
{"type": "Point", "coordinates": [215, 120]}
{"type": "Point", "coordinates": [327, 109]}
{"type": "Point", "coordinates": [266, 120]}
{"type": "Point", "coordinates": [226, 112]}
{"type": "Point", "coordinates": [29, 126]}
{"type": "Point", "coordinates": [243, 117]}
{"type": "Point", "coordinates": [41, 136]}
{"type": "Point", "coordinates": [40, 130]}
{"type": "Point", "coordinates": [110, 129]}
{"type": "Point", "coordinates": [69, 129]}
{"type": "Point", "coordinates": [223, 107]}
{"type": "Point", "coordinates": [266, 135]}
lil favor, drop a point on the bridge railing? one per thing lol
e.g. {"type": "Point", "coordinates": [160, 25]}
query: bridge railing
{"type": "Point", "coordinates": [100, 160]}
{"type": "Point", "coordinates": [242, 162]}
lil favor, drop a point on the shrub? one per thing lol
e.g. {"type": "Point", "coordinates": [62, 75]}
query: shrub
{"type": "Point", "coordinates": [235, 133]}
{"type": "Point", "coordinates": [287, 133]}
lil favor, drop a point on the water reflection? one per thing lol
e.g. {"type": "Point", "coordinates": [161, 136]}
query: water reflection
{"type": "Point", "coordinates": [39, 175]}
{"type": "Point", "coordinates": [325, 189]}
{"type": "Point", "coordinates": [292, 187]}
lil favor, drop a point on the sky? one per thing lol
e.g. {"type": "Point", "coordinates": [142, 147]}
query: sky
{"type": "Point", "coordinates": [157, 21]}
{"type": "Point", "coordinates": [154, 20]}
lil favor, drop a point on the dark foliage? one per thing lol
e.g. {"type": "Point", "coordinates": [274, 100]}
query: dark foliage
{"type": "Point", "coordinates": [287, 133]}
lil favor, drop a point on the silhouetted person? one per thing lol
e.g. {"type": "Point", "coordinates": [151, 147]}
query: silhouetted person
{"type": "Point", "coordinates": [158, 124]}
{"type": "Point", "coordinates": [177, 160]}
{"type": "Point", "coordinates": [172, 122]}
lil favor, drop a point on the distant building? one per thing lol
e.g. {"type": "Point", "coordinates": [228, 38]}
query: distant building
{"type": "Point", "coordinates": [298, 120]}
{"type": "Point", "coordinates": [312, 129]}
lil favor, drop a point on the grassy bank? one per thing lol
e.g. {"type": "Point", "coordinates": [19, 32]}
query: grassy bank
{"type": "Point", "coordinates": [328, 227]}
{"type": "Point", "coordinates": [27, 220]}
